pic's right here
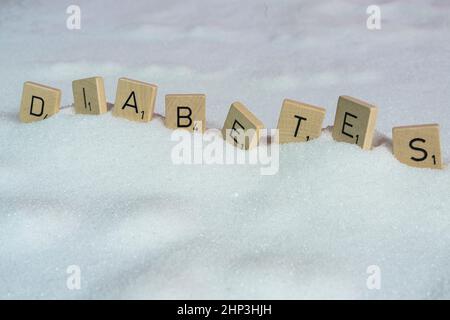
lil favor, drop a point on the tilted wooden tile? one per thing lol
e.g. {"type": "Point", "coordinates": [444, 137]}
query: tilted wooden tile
{"type": "Point", "coordinates": [299, 121]}
{"type": "Point", "coordinates": [186, 111]}
{"type": "Point", "coordinates": [135, 100]}
{"type": "Point", "coordinates": [89, 95]}
{"type": "Point", "coordinates": [355, 122]}
{"type": "Point", "coordinates": [418, 146]}
{"type": "Point", "coordinates": [241, 127]}
{"type": "Point", "coordinates": [38, 102]}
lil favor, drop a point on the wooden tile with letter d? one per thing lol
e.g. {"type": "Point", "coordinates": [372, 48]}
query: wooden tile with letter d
{"type": "Point", "coordinates": [38, 102]}
{"type": "Point", "coordinates": [241, 127]}
{"type": "Point", "coordinates": [299, 121]}
{"type": "Point", "coordinates": [418, 146]}
{"type": "Point", "coordinates": [186, 111]}
{"type": "Point", "coordinates": [355, 122]}
{"type": "Point", "coordinates": [89, 95]}
{"type": "Point", "coordinates": [135, 100]}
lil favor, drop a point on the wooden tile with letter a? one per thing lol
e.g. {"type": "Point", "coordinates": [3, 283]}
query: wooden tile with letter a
{"type": "Point", "coordinates": [89, 95]}
{"type": "Point", "coordinates": [186, 111]}
{"type": "Point", "coordinates": [418, 146]}
{"type": "Point", "coordinates": [299, 121]}
{"type": "Point", "coordinates": [355, 122]}
{"type": "Point", "coordinates": [135, 100]}
{"type": "Point", "coordinates": [241, 127]}
{"type": "Point", "coordinates": [38, 102]}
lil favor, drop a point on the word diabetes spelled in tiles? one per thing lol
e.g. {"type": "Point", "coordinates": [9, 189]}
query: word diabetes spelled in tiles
{"type": "Point", "coordinates": [355, 120]}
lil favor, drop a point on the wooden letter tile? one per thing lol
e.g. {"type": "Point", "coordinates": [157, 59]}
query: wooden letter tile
{"type": "Point", "coordinates": [418, 146]}
{"type": "Point", "coordinates": [89, 95]}
{"type": "Point", "coordinates": [135, 100]}
{"type": "Point", "coordinates": [38, 102]}
{"type": "Point", "coordinates": [186, 111]}
{"type": "Point", "coordinates": [241, 127]}
{"type": "Point", "coordinates": [355, 122]}
{"type": "Point", "coordinates": [299, 121]}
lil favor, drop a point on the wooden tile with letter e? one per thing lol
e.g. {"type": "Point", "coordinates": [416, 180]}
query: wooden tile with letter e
{"type": "Point", "coordinates": [135, 100]}
{"type": "Point", "coordinates": [355, 122]}
{"type": "Point", "coordinates": [186, 111]}
{"type": "Point", "coordinates": [299, 121]}
{"type": "Point", "coordinates": [241, 127]}
{"type": "Point", "coordinates": [89, 95]}
{"type": "Point", "coordinates": [38, 102]}
{"type": "Point", "coordinates": [418, 146]}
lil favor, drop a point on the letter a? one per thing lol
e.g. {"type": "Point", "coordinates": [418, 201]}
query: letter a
{"type": "Point", "coordinates": [374, 280]}
{"type": "Point", "coordinates": [132, 95]}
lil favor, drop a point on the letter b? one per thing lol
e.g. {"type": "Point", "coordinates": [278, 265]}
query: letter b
{"type": "Point", "coordinates": [185, 116]}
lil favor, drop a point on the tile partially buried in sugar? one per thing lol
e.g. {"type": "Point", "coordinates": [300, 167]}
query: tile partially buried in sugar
{"type": "Point", "coordinates": [241, 127]}
{"type": "Point", "coordinates": [38, 102]}
{"type": "Point", "coordinates": [418, 145]}
{"type": "Point", "coordinates": [135, 100]}
{"type": "Point", "coordinates": [186, 111]}
{"type": "Point", "coordinates": [89, 95]}
{"type": "Point", "coordinates": [355, 122]}
{"type": "Point", "coordinates": [299, 121]}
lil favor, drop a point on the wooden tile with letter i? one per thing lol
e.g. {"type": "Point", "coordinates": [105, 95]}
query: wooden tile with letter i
{"type": "Point", "coordinates": [418, 146]}
{"type": "Point", "coordinates": [241, 127]}
{"type": "Point", "coordinates": [355, 122]}
{"type": "Point", "coordinates": [89, 95]}
{"type": "Point", "coordinates": [299, 121]}
{"type": "Point", "coordinates": [38, 102]}
{"type": "Point", "coordinates": [186, 111]}
{"type": "Point", "coordinates": [135, 100]}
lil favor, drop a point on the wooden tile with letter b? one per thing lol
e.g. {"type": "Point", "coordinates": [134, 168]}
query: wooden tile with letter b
{"type": "Point", "coordinates": [38, 102]}
{"type": "Point", "coordinates": [135, 100]}
{"type": "Point", "coordinates": [186, 111]}
{"type": "Point", "coordinates": [355, 122]}
{"type": "Point", "coordinates": [299, 121]}
{"type": "Point", "coordinates": [89, 95]}
{"type": "Point", "coordinates": [241, 127]}
{"type": "Point", "coordinates": [418, 146]}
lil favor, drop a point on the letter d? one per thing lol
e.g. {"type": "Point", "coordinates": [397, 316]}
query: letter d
{"type": "Point", "coordinates": [41, 112]}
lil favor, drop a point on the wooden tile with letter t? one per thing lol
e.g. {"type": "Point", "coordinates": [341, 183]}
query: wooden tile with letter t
{"type": "Point", "coordinates": [89, 95]}
{"type": "Point", "coordinates": [355, 122]}
{"type": "Point", "coordinates": [299, 121]}
{"type": "Point", "coordinates": [135, 100]}
{"type": "Point", "coordinates": [186, 111]}
{"type": "Point", "coordinates": [38, 102]}
{"type": "Point", "coordinates": [418, 146]}
{"type": "Point", "coordinates": [241, 127]}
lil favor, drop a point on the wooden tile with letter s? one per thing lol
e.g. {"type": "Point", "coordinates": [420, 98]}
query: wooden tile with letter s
{"type": "Point", "coordinates": [418, 145]}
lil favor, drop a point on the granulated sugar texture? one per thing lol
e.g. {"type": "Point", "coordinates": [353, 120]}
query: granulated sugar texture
{"type": "Point", "coordinates": [102, 196]}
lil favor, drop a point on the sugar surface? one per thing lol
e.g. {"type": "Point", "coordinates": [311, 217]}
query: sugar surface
{"type": "Point", "coordinates": [102, 192]}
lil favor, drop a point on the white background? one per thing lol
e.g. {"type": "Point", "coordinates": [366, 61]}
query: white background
{"type": "Point", "coordinates": [102, 193]}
